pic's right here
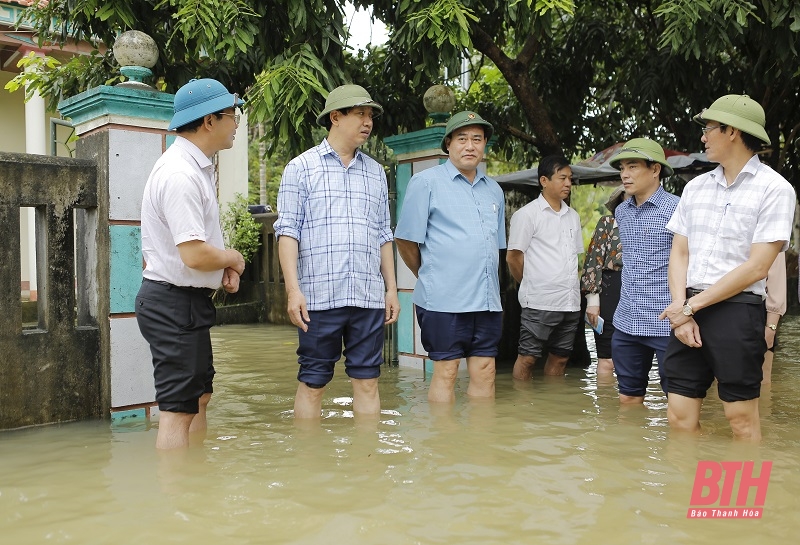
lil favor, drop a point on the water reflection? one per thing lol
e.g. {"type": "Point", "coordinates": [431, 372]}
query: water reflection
{"type": "Point", "coordinates": [551, 461]}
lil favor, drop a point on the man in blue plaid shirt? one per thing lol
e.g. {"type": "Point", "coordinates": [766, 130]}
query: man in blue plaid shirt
{"type": "Point", "coordinates": [335, 249]}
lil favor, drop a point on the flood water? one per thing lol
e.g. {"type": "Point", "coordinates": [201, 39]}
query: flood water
{"type": "Point", "coordinates": [556, 462]}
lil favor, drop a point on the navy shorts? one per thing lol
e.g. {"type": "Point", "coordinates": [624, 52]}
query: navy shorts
{"type": "Point", "coordinates": [176, 323]}
{"type": "Point", "coordinates": [361, 332]}
{"type": "Point", "coordinates": [454, 335]}
{"type": "Point", "coordinates": [733, 352]}
{"type": "Point", "coordinates": [554, 330]}
{"type": "Point", "coordinates": [633, 359]}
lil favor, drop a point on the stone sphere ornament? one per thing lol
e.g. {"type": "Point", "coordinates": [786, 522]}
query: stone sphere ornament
{"type": "Point", "coordinates": [137, 53]}
{"type": "Point", "coordinates": [135, 48]}
{"type": "Point", "coordinates": [439, 100]}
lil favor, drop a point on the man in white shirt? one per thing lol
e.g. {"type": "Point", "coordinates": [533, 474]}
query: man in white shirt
{"type": "Point", "coordinates": [185, 258]}
{"type": "Point", "coordinates": [543, 246]}
{"type": "Point", "coordinates": [728, 228]}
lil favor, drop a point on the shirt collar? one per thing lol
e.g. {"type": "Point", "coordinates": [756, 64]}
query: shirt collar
{"type": "Point", "coordinates": [326, 149]}
{"type": "Point", "coordinates": [750, 168]}
{"type": "Point", "coordinates": [543, 204]}
{"type": "Point", "coordinates": [454, 173]}
{"type": "Point", "coordinates": [197, 154]}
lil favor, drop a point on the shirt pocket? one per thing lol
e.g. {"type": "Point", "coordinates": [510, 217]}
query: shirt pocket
{"type": "Point", "coordinates": [489, 212]}
{"type": "Point", "coordinates": [737, 223]}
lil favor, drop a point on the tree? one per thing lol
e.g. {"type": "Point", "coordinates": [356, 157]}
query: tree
{"type": "Point", "coordinates": [286, 53]}
{"type": "Point", "coordinates": [587, 74]}
{"type": "Point", "coordinates": [576, 76]}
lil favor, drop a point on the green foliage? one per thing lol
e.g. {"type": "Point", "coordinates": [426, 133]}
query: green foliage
{"type": "Point", "coordinates": [48, 76]}
{"type": "Point", "coordinates": [240, 231]}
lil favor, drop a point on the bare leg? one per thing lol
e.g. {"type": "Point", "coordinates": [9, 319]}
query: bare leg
{"type": "Point", "coordinates": [173, 430]}
{"type": "Point", "coordinates": [308, 401]}
{"type": "Point", "coordinates": [744, 419]}
{"type": "Point", "coordinates": [605, 366]}
{"type": "Point", "coordinates": [523, 367]}
{"type": "Point", "coordinates": [683, 412]}
{"type": "Point", "coordinates": [555, 365]}
{"type": "Point", "coordinates": [766, 367]}
{"type": "Point", "coordinates": [481, 376]}
{"type": "Point", "coordinates": [199, 422]}
{"type": "Point", "coordinates": [443, 382]}
{"type": "Point", "coordinates": [630, 400]}
{"type": "Point", "coordinates": [366, 399]}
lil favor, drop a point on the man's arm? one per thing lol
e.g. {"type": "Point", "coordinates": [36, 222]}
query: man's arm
{"type": "Point", "coordinates": [756, 267]}
{"type": "Point", "coordinates": [516, 263]}
{"type": "Point", "coordinates": [288, 251]}
{"type": "Point", "coordinates": [686, 329]}
{"type": "Point", "coordinates": [409, 252]}
{"type": "Point", "coordinates": [389, 280]}
{"type": "Point", "coordinates": [202, 256]}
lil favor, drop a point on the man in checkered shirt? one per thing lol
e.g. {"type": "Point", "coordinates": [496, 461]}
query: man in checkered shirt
{"type": "Point", "coordinates": [728, 228]}
{"type": "Point", "coordinates": [335, 249]}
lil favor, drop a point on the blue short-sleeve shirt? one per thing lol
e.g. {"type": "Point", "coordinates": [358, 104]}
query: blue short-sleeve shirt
{"type": "Point", "coordinates": [460, 229]}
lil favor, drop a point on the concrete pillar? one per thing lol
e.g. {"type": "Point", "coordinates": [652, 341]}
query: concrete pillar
{"type": "Point", "coordinates": [124, 131]}
{"type": "Point", "coordinates": [35, 143]}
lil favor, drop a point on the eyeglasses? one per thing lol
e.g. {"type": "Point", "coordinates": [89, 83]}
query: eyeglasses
{"type": "Point", "coordinates": [640, 152]}
{"type": "Point", "coordinates": [236, 117]}
{"type": "Point", "coordinates": [706, 130]}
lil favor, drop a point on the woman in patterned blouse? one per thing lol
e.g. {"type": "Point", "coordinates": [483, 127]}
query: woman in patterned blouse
{"type": "Point", "coordinates": [601, 280]}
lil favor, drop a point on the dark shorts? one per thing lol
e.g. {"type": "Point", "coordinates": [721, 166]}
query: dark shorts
{"type": "Point", "coordinates": [609, 299]}
{"type": "Point", "coordinates": [633, 359]}
{"type": "Point", "coordinates": [176, 322]}
{"type": "Point", "coordinates": [454, 335]}
{"type": "Point", "coordinates": [547, 329]}
{"type": "Point", "coordinates": [733, 352]}
{"type": "Point", "coordinates": [361, 332]}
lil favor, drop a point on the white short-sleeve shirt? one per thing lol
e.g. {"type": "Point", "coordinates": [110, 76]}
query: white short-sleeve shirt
{"type": "Point", "coordinates": [551, 242]}
{"type": "Point", "coordinates": [179, 205]}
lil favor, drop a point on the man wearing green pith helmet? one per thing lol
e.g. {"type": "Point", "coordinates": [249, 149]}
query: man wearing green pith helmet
{"type": "Point", "coordinates": [335, 248]}
{"type": "Point", "coordinates": [728, 228]}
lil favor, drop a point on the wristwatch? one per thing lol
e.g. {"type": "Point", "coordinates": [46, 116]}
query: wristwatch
{"type": "Point", "coordinates": [687, 309]}
{"type": "Point", "coordinates": [773, 327]}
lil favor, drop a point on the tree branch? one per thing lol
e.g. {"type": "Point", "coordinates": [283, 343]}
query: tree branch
{"type": "Point", "coordinates": [522, 135]}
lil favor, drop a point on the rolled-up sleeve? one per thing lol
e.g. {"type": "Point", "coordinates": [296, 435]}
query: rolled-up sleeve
{"type": "Point", "coordinates": [290, 204]}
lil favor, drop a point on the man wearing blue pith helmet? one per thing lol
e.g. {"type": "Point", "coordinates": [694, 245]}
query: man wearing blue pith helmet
{"type": "Point", "coordinates": [728, 228]}
{"type": "Point", "coordinates": [185, 258]}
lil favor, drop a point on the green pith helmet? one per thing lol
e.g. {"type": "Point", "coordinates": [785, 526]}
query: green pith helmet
{"type": "Point", "coordinates": [644, 149]}
{"type": "Point", "coordinates": [347, 96]}
{"type": "Point", "coordinates": [463, 119]}
{"type": "Point", "coordinates": [738, 111]}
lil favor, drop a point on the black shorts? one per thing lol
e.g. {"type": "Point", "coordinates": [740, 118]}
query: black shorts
{"type": "Point", "coordinates": [733, 349]}
{"type": "Point", "coordinates": [176, 322]}
{"type": "Point", "coordinates": [609, 299]}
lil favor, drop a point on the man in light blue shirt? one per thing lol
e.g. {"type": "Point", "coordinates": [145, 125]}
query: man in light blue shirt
{"type": "Point", "coordinates": [450, 233]}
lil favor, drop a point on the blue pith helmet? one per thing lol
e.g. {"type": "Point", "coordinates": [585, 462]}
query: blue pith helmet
{"type": "Point", "coordinates": [201, 97]}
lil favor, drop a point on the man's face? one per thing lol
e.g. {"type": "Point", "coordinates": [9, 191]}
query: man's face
{"type": "Point", "coordinates": [355, 127]}
{"type": "Point", "coordinates": [225, 128]}
{"type": "Point", "coordinates": [715, 141]}
{"type": "Point", "coordinates": [466, 147]}
{"type": "Point", "coordinates": [637, 178]}
{"type": "Point", "coordinates": [558, 186]}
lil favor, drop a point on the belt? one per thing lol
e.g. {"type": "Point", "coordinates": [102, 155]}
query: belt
{"type": "Point", "coordinates": [205, 292]}
{"type": "Point", "coordinates": [743, 297]}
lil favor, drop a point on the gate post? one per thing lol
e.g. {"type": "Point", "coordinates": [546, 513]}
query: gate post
{"type": "Point", "coordinates": [416, 151]}
{"type": "Point", "coordinates": [124, 129]}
